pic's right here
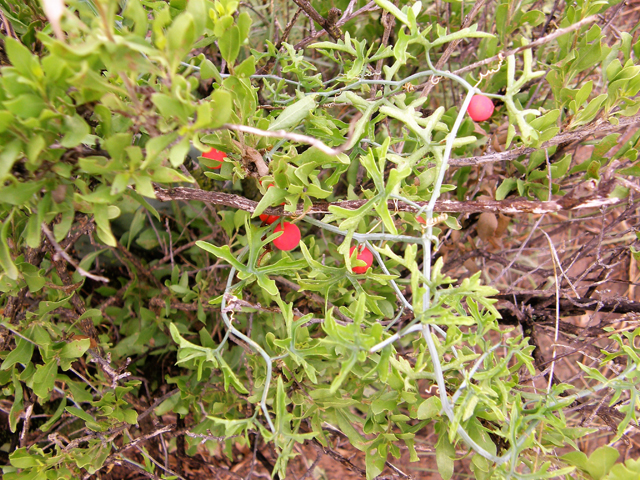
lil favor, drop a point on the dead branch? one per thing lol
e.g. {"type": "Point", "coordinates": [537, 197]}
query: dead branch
{"type": "Point", "coordinates": [597, 128]}
{"type": "Point", "coordinates": [570, 306]}
{"type": "Point", "coordinates": [597, 199]}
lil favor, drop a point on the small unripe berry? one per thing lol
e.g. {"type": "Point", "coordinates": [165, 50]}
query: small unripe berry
{"type": "Point", "coordinates": [481, 108]}
{"type": "Point", "coordinates": [366, 256]}
{"type": "Point", "coordinates": [289, 239]}
{"type": "Point", "coordinates": [214, 154]}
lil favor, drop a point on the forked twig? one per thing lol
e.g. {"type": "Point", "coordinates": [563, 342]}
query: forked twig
{"type": "Point", "coordinates": [61, 253]}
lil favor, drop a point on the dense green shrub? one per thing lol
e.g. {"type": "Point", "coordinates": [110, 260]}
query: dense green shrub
{"type": "Point", "coordinates": [122, 248]}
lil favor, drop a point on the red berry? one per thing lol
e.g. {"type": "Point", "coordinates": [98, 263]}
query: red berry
{"type": "Point", "coordinates": [289, 239]}
{"type": "Point", "coordinates": [480, 108]}
{"type": "Point", "coordinates": [366, 256]}
{"type": "Point", "coordinates": [214, 154]}
{"type": "Point", "coordinates": [421, 220]}
{"type": "Point", "coordinates": [269, 219]}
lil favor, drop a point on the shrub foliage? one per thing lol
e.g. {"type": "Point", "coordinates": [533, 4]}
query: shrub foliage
{"type": "Point", "coordinates": [139, 287]}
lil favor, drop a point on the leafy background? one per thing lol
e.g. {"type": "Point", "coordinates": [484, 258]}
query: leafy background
{"type": "Point", "coordinates": [149, 329]}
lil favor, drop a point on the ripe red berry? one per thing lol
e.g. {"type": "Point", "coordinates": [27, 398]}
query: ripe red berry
{"type": "Point", "coordinates": [214, 154]}
{"type": "Point", "coordinates": [269, 219]}
{"type": "Point", "coordinates": [366, 256]}
{"type": "Point", "coordinates": [289, 239]}
{"type": "Point", "coordinates": [480, 108]}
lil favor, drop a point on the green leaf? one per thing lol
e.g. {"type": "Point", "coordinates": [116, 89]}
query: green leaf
{"type": "Point", "coordinates": [80, 414]}
{"type": "Point", "coordinates": [560, 168]}
{"type": "Point", "coordinates": [22, 59]}
{"type": "Point", "coordinates": [137, 224]}
{"type": "Point", "coordinates": [230, 377]}
{"type": "Point", "coordinates": [545, 121]}
{"type": "Point", "coordinates": [77, 130]}
{"type": "Point", "coordinates": [273, 196]}
{"type": "Point", "coordinates": [223, 252]}
{"type": "Point", "coordinates": [19, 193]}
{"type": "Point", "coordinates": [430, 408]}
{"type": "Point", "coordinates": [208, 71]}
{"type": "Point", "coordinates": [75, 349]}
{"type": "Point", "coordinates": [21, 354]}
{"type": "Point", "coordinates": [155, 146]}
{"type": "Point", "coordinates": [294, 114]}
{"type": "Point", "coordinates": [8, 157]}
{"type": "Point", "coordinates": [505, 187]}
{"type": "Point", "coordinates": [26, 106]}
{"type": "Point", "coordinates": [199, 12]}
{"type": "Point", "coordinates": [21, 458]}
{"type": "Point", "coordinates": [45, 427]}
{"type": "Point", "coordinates": [247, 68]}
{"type": "Point", "coordinates": [601, 461]}
{"type": "Point", "coordinates": [138, 198]}
{"type": "Point", "coordinates": [33, 277]}
{"type": "Point", "coordinates": [445, 454]}
{"type": "Point", "coordinates": [168, 175]}
{"type": "Point", "coordinates": [170, 107]}
{"type": "Point", "coordinates": [375, 461]}
{"type": "Point", "coordinates": [136, 12]}
{"type": "Point", "coordinates": [44, 378]}
{"type": "Point", "coordinates": [103, 226]}
{"type": "Point", "coordinates": [604, 145]}
{"type": "Point", "coordinates": [5, 255]}
{"type": "Point", "coordinates": [244, 25]}
{"type": "Point", "coordinates": [221, 106]}
{"type": "Point", "coordinates": [590, 111]}
{"type": "Point", "coordinates": [18, 402]}
{"type": "Point", "coordinates": [229, 45]}
{"type": "Point", "coordinates": [181, 35]}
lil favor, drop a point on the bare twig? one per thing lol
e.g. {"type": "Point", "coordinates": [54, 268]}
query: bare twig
{"type": "Point", "coordinates": [141, 268]}
{"type": "Point", "coordinates": [61, 253]}
{"type": "Point", "coordinates": [105, 364]}
{"type": "Point", "coordinates": [288, 28]}
{"type": "Point", "coordinates": [313, 14]}
{"type": "Point", "coordinates": [541, 41]}
{"type": "Point", "coordinates": [388, 21]}
{"type": "Point", "coordinates": [208, 436]}
{"type": "Point", "coordinates": [144, 438]}
{"type": "Point", "coordinates": [339, 458]}
{"type": "Point", "coordinates": [168, 228]}
{"type": "Point", "coordinates": [556, 262]}
{"type": "Point", "coordinates": [313, 465]}
{"type": "Point", "coordinates": [133, 466]}
{"type": "Point", "coordinates": [6, 26]}
{"type": "Point", "coordinates": [453, 45]}
{"type": "Point", "coordinates": [26, 422]}
{"type": "Point", "coordinates": [369, 7]}
{"type": "Point", "coordinates": [157, 402]}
